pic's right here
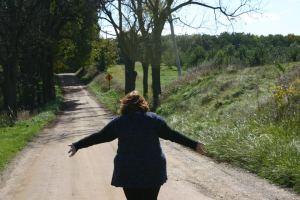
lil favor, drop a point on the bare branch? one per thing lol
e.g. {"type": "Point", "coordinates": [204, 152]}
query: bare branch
{"type": "Point", "coordinates": [189, 24]}
{"type": "Point", "coordinates": [104, 18]}
{"type": "Point", "coordinates": [219, 8]}
{"type": "Point", "coordinates": [113, 23]}
{"type": "Point", "coordinates": [108, 33]}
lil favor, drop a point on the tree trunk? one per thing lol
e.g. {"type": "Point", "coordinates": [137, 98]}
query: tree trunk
{"type": "Point", "coordinates": [156, 85]}
{"type": "Point", "coordinates": [10, 86]}
{"type": "Point", "coordinates": [48, 79]}
{"type": "Point", "coordinates": [130, 76]}
{"type": "Point", "coordinates": [145, 78]}
{"type": "Point", "coordinates": [28, 80]}
{"type": "Point", "coordinates": [39, 81]}
{"type": "Point", "coordinates": [28, 91]}
{"type": "Point", "coordinates": [175, 46]}
{"type": "Point", "coordinates": [155, 63]}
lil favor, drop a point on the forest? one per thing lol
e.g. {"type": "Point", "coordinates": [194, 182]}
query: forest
{"type": "Point", "coordinates": [239, 49]}
{"type": "Point", "coordinates": [36, 37]}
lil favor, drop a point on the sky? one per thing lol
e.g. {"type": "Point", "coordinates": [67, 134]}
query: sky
{"type": "Point", "coordinates": [273, 17]}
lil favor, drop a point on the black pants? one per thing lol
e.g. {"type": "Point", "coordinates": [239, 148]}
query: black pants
{"type": "Point", "coordinates": [141, 193]}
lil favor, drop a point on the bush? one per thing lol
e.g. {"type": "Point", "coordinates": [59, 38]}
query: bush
{"type": "Point", "coordinates": [6, 120]}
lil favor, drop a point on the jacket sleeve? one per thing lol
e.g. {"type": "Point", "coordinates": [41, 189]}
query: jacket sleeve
{"type": "Point", "coordinates": [107, 134]}
{"type": "Point", "coordinates": [165, 132]}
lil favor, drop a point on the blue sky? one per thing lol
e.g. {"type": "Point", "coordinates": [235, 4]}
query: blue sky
{"type": "Point", "coordinates": [275, 17]}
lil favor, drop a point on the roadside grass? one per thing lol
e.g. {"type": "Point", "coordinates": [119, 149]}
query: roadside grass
{"type": "Point", "coordinates": [14, 138]}
{"type": "Point", "coordinates": [88, 74]}
{"type": "Point", "coordinates": [109, 98]}
{"type": "Point", "coordinates": [235, 115]}
{"type": "Point", "coordinates": [233, 111]}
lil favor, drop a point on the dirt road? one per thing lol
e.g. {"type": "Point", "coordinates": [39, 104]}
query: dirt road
{"type": "Point", "coordinates": [43, 171]}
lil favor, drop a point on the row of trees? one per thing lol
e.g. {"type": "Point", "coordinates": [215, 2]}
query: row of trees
{"type": "Point", "coordinates": [39, 37]}
{"type": "Point", "coordinates": [36, 38]}
{"type": "Point", "coordinates": [236, 48]}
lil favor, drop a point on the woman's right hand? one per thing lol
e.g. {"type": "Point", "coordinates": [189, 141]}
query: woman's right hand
{"type": "Point", "coordinates": [200, 148]}
{"type": "Point", "coordinates": [72, 150]}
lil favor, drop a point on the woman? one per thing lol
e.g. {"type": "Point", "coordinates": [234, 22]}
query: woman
{"type": "Point", "coordinates": [140, 164]}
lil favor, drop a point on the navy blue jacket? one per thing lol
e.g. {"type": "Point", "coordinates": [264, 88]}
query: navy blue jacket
{"type": "Point", "coordinates": [140, 161]}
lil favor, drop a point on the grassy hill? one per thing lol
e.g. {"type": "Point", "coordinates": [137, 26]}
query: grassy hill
{"type": "Point", "coordinates": [249, 117]}
{"type": "Point", "coordinates": [244, 118]}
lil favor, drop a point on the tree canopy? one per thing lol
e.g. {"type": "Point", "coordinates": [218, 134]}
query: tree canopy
{"type": "Point", "coordinates": [232, 48]}
{"type": "Point", "coordinates": [38, 38]}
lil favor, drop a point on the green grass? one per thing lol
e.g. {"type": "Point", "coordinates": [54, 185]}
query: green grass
{"type": "Point", "coordinates": [168, 74]}
{"type": "Point", "coordinates": [238, 123]}
{"type": "Point", "coordinates": [232, 111]}
{"type": "Point", "coordinates": [14, 138]}
{"type": "Point", "coordinates": [109, 98]}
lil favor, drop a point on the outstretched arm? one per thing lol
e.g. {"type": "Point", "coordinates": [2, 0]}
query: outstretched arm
{"type": "Point", "coordinates": [167, 133]}
{"type": "Point", "coordinates": [107, 134]}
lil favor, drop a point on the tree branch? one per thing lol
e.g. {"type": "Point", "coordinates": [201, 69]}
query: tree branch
{"type": "Point", "coordinates": [219, 8]}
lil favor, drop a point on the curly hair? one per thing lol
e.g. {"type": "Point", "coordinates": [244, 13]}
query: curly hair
{"type": "Point", "coordinates": [133, 102]}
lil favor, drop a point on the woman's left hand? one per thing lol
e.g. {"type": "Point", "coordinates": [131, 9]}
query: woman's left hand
{"type": "Point", "coordinates": [72, 150]}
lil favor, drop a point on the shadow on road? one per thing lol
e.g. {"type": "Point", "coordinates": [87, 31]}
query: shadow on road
{"type": "Point", "coordinates": [71, 105]}
{"type": "Point", "coordinates": [69, 80]}
{"type": "Point", "coordinates": [77, 116]}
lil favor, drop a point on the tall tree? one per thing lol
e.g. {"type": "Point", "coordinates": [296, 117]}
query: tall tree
{"type": "Point", "coordinates": [125, 27]}
{"type": "Point", "coordinates": [11, 27]}
{"type": "Point", "coordinates": [145, 43]}
{"type": "Point", "coordinates": [159, 11]}
{"type": "Point", "coordinates": [30, 32]}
